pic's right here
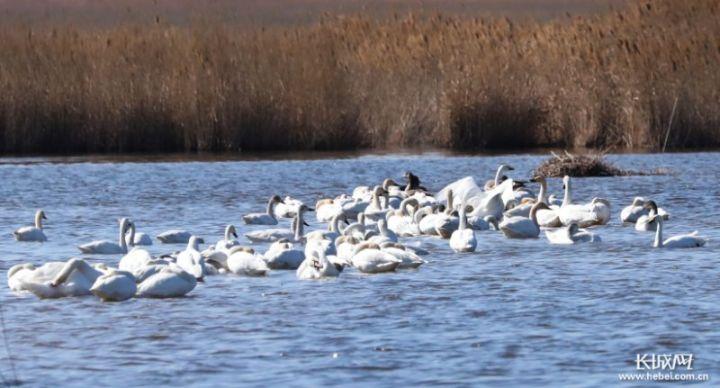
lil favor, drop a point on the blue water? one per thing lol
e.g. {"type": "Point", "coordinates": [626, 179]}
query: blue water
{"type": "Point", "coordinates": [515, 313]}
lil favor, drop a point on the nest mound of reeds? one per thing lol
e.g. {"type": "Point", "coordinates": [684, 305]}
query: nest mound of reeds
{"type": "Point", "coordinates": [580, 166]}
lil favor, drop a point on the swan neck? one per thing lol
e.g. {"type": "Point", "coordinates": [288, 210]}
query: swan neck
{"type": "Point", "coordinates": [132, 235]}
{"type": "Point", "coordinates": [498, 175]}
{"type": "Point", "coordinates": [542, 195]}
{"type": "Point", "coordinates": [567, 198]}
{"type": "Point", "coordinates": [121, 236]}
{"type": "Point", "coordinates": [533, 216]}
{"type": "Point", "coordinates": [382, 228]}
{"type": "Point", "coordinates": [38, 220]}
{"type": "Point", "coordinates": [335, 225]}
{"type": "Point", "coordinates": [659, 234]}
{"type": "Point", "coordinates": [376, 200]}
{"type": "Point", "coordinates": [299, 226]}
{"type": "Point", "coordinates": [450, 201]}
{"type": "Point", "coordinates": [463, 219]}
{"type": "Point", "coordinates": [271, 208]}
{"type": "Point", "coordinates": [228, 233]}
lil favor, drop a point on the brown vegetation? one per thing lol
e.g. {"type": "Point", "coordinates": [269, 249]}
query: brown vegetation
{"type": "Point", "coordinates": [353, 82]}
{"type": "Point", "coordinates": [579, 166]}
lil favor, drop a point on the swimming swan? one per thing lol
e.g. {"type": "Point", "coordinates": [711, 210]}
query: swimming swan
{"type": "Point", "coordinates": [191, 261]}
{"type": "Point", "coordinates": [174, 236]}
{"type": "Point", "coordinates": [54, 279]}
{"type": "Point", "coordinates": [521, 227]}
{"type": "Point", "coordinates": [32, 233]}
{"type": "Point", "coordinates": [105, 247]}
{"type": "Point", "coordinates": [267, 218]}
{"type": "Point", "coordinates": [244, 261]}
{"type": "Point", "coordinates": [114, 285]}
{"type": "Point", "coordinates": [691, 240]}
{"type": "Point", "coordinates": [282, 254]}
{"type": "Point", "coordinates": [368, 258]}
{"type": "Point", "coordinates": [271, 235]}
{"type": "Point", "coordinates": [597, 212]}
{"type": "Point", "coordinates": [646, 222]}
{"type": "Point", "coordinates": [164, 281]}
{"type": "Point", "coordinates": [316, 266]}
{"type": "Point", "coordinates": [571, 234]}
{"type": "Point", "coordinates": [408, 259]}
{"type": "Point", "coordinates": [463, 239]}
{"type": "Point", "coordinates": [637, 209]}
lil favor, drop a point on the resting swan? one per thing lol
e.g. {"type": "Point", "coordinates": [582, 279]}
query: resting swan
{"type": "Point", "coordinates": [549, 217]}
{"type": "Point", "coordinates": [174, 236]}
{"type": "Point", "coordinates": [54, 279]}
{"type": "Point", "coordinates": [282, 254]}
{"type": "Point", "coordinates": [293, 234]}
{"type": "Point", "coordinates": [691, 240]}
{"type": "Point", "coordinates": [463, 239]}
{"type": "Point", "coordinates": [408, 259]}
{"type": "Point", "coordinates": [114, 285]}
{"type": "Point", "coordinates": [597, 212]}
{"type": "Point", "coordinates": [32, 233]}
{"type": "Point", "coordinates": [164, 281]}
{"type": "Point", "coordinates": [647, 222]}
{"type": "Point", "coordinates": [368, 258]}
{"type": "Point", "coordinates": [521, 227]}
{"type": "Point", "coordinates": [244, 261]}
{"type": "Point", "coordinates": [267, 218]}
{"type": "Point", "coordinates": [637, 209]}
{"type": "Point", "coordinates": [316, 266]}
{"type": "Point", "coordinates": [105, 247]}
{"type": "Point", "coordinates": [191, 261]}
{"type": "Point", "coordinates": [571, 234]}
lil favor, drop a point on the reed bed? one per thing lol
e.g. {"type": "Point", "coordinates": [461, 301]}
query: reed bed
{"type": "Point", "coordinates": [608, 80]}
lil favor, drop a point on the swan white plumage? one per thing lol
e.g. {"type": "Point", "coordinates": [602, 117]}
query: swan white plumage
{"type": "Point", "coordinates": [32, 233]}
{"type": "Point", "coordinates": [384, 234]}
{"type": "Point", "coordinates": [244, 261]}
{"type": "Point", "coordinates": [135, 239]}
{"type": "Point", "coordinates": [571, 234]}
{"type": "Point", "coordinates": [549, 217]}
{"type": "Point", "coordinates": [164, 281]}
{"type": "Point", "coordinates": [408, 259]}
{"type": "Point", "coordinates": [637, 209]}
{"type": "Point", "coordinates": [190, 260]}
{"type": "Point", "coordinates": [316, 266]}
{"type": "Point", "coordinates": [691, 240]}
{"type": "Point", "coordinates": [368, 258]}
{"type": "Point", "coordinates": [105, 247]}
{"type": "Point", "coordinates": [283, 254]}
{"type": "Point", "coordinates": [267, 218]}
{"type": "Point", "coordinates": [288, 208]}
{"type": "Point", "coordinates": [647, 222]}
{"type": "Point", "coordinates": [295, 233]}
{"type": "Point", "coordinates": [521, 227]}
{"type": "Point", "coordinates": [463, 239]}
{"type": "Point", "coordinates": [114, 285]}
{"type": "Point", "coordinates": [597, 212]}
{"type": "Point", "coordinates": [54, 279]}
{"type": "Point", "coordinates": [174, 236]}
{"type": "Point", "coordinates": [401, 221]}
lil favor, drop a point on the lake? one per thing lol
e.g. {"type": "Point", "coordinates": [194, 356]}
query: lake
{"type": "Point", "coordinates": [515, 313]}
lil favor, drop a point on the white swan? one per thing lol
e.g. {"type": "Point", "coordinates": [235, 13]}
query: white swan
{"type": "Point", "coordinates": [229, 240]}
{"type": "Point", "coordinates": [521, 227]}
{"type": "Point", "coordinates": [271, 235]}
{"type": "Point", "coordinates": [135, 238]}
{"type": "Point", "coordinates": [190, 260]}
{"type": "Point", "coordinates": [244, 261]}
{"type": "Point", "coordinates": [499, 174]}
{"type": "Point", "coordinates": [401, 221]}
{"type": "Point", "coordinates": [463, 239]}
{"type": "Point", "coordinates": [368, 258]}
{"type": "Point", "coordinates": [326, 209]}
{"type": "Point", "coordinates": [174, 236]}
{"type": "Point", "coordinates": [691, 240]}
{"type": "Point", "coordinates": [408, 259]}
{"type": "Point", "coordinates": [32, 233]}
{"type": "Point", "coordinates": [288, 208]}
{"type": "Point", "coordinates": [54, 279]}
{"type": "Point", "coordinates": [375, 210]}
{"type": "Point", "coordinates": [267, 218]}
{"type": "Point", "coordinates": [483, 223]}
{"type": "Point", "coordinates": [114, 286]}
{"type": "Point", "coordinates": [547, 217]}
{"type": "Point", "coordinates": [282, 254]}
{"type": "Point", "coordinates": [385, 234]}
{"type": "Point", "coordinates": [637, 209]}
{"type": "Point", "coordinates": [597, 212]}
{"type": "Point", "coordinates": [647, 222]}
{"type": "Point", "coordinates": [316, 266]}
{"type": "Point", "coordinates": [105, 247]}
{"type": "Point", "coordinates": [164, 281]}
{"type": "Point", "coordinates": [571, 234]}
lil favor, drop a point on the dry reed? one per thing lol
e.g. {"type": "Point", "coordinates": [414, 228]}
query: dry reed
{"type": "Point", "coordinates": [608, 80]}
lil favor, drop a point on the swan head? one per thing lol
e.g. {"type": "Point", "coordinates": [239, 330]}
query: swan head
{"type": "Point", "coordinates": [305, 208]}
{"type": "Point", "coordinates": [387, 183]}
{"type": "Point", "coordinates": [638, 201]}
{"type": "Point", "coordinates": [41, 214]}
{"type": "Point", "coordinates": [538, 179]}
{"type": "Point", "coordinates": [566, 182]}
{"type": "Point", "coordinates": [230, 230]}
{"type": "Point", "coordinates": [601, 200]}
{"type": "Point", "coordinates": [276, 199]}
{"type": "Point", "coordinates": [195, 242]}
{"type": "Point", "coordinates": [652, 206]}
{"type": "Point", "coordinates": [505, 167]}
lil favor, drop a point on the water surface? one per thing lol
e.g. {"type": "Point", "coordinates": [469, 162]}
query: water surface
{"type": "Point", "coordinates": [514, 313]}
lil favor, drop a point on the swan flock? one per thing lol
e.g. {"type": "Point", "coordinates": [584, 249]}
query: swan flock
{"type": "Point", "coordinates": [364, 233]}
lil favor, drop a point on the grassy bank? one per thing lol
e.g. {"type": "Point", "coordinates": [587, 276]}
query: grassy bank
{"type": "Point", "coordinates": [609, 80]}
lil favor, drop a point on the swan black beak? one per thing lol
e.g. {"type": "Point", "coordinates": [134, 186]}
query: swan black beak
{"type": "Point", "coordinates": [311, 209]}
{"type": "Point", "coordinates": [201, 280]}
{"type": "Point", "coordinates": [511, 168]}
{"type": "Point", "coordinates": [44, 217]}
{"type": "Point", "coordinates": [235, 235]}
{"type": "Point", "coordinates": [305, 223]}
{"type": "Point", "coordinates": [201, 240]}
